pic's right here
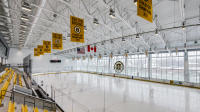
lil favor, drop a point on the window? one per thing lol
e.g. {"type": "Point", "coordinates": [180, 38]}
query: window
{"type": "Point", "coordinates": [194, 66]}
{"type": "Point", "coordinates": [164, 66]}
{"type": "Point", "coordinates": [168, 66]}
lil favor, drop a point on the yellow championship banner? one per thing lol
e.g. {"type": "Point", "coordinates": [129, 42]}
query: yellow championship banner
{"type": "Point", "coordinates": [145, 9]}
{"type": "Point", "coordinates": [40, 50]}
{"type": "Point", "coordinates": [36, 52]}
{"type": "Point", "coordinates": [77, 29]}
{"type": "Point", "coordinates": [57, 41]}
{"type": "Point", "coordinates": [47, 46]}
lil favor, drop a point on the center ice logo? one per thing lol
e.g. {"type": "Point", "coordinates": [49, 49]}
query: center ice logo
{"type": "Point", "coordinates": [119, 67]}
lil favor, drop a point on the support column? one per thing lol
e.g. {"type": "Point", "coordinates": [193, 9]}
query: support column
{"type": "Point", "coordinates": [125, 67]}
{"type": "Point", "coordinates": [88, 64]}
{"type": "Point", "coordinates": [97, 64]}
{"type": "Point", "coordinates": [109, 65]}
{"type": "Point", "coordinates": [186, 67]}
{"type": "Point", "coordinates": [149, 66]}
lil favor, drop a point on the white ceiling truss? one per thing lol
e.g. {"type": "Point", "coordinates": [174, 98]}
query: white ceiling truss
{"type": "Point", "coordinates": [49, 16]}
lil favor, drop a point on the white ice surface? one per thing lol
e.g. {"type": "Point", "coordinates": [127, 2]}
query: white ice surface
{"type": "Point", "coordinates": [81, 92]}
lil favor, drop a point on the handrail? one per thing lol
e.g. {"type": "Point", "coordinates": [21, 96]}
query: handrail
{"type": "Point", "coordinates": [33, 96]}
{"type": "Point", "coordinates": [52, 100]}
{"type": "Point", "coordinates": [36, 98]}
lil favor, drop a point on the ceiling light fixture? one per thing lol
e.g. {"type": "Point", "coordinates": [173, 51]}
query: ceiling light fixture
{"type": "Point", "coordinates": [4, 31]}
{"type": "Point", "coordinates": [21, 41]}
{"type": "Point", "coordinates": [26, 8]}
{"type": "Point", "coordinates": [23, 31]}
{"type": "Point", "coordinates": [23, 25]}
{"type": "Point", "coordinates": [112, 13]}
{"type": "Point", "coordinates": [24, 18]}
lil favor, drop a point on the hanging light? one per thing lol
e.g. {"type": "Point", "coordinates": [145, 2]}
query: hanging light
{"type": "Point", "coordinates": [138, 50]}
{"type": "Point", "coordinates": [102, 43]}
{"type": "Point", "coordinates": [111, 41]}
{"type": "Point", "coordinates": [85, 28]}
{"type": "Point", "coordinates": [156, 31]}
{"type": "Point", "coordinates": [68, 35]}
{"type": "Point", "coordinates": [183, 25]}
{"type": "Point", "coordinates": [123, 39]}
{"type": "Point", "coordinates": [99, 56]}
{"type": "Point", "coordinates": [185, 47]}
{"type": "Point", "coordinates": [112, 13]}
{"type": "Point", "coordinates": [118, 52]}
{"type": "Point", "coordinates": [137, 36]}
{"type": "Point", "coordinates": [135, 2]}
{"type": "Point", "coordinates": [95, 21]}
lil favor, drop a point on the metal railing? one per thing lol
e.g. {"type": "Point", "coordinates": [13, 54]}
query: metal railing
{"type": "Point", "coordinates": [34, 102]}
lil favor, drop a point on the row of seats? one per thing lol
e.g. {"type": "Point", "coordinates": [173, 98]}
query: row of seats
{"type": "Point", "coordinates": [24, 108]}
{"type": "Point", "coordinates": [4, 75]}
{"type": "Point", "coordinates": [5, 86]}
{"type": "Point", "coordinates": [20, 80]}
{"type": "Point", "coordinates": [11, 107]}
{"type": "Point", "coordinates": [36, 110]}
{"type": "Point", "coordinates": [15, 79]}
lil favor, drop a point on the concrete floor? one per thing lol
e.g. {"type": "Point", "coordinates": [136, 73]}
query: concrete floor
{"type": "Point", "coordinates": [81, 92]}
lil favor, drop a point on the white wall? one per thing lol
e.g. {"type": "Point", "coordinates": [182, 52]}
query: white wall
{"type": "Point", "coordinates": [41, 64]}
{"type": "Point", "coordinates": [17, 55]}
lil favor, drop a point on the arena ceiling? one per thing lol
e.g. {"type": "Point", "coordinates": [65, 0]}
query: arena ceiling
{"type": "Point", "coordinates": [175, 25]}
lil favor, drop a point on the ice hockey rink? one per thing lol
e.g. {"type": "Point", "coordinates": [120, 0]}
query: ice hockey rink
{"type": "Point", "coordinates": [83, 92]}
{"type": "Point", "coordinates": [99, 55]}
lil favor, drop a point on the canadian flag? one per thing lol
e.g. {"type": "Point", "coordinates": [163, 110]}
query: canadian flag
{"type": "Point", "coordinates": [94, 48]}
